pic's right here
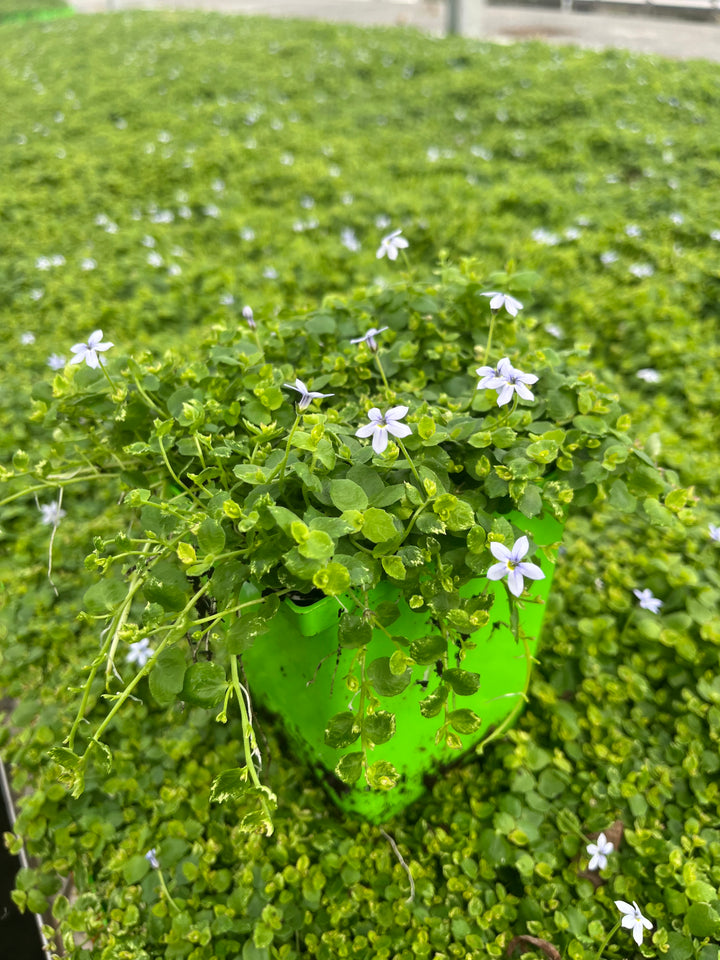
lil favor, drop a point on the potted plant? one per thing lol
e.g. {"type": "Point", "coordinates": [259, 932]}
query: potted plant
{"type": "Point", "coordinates": [354, 512]}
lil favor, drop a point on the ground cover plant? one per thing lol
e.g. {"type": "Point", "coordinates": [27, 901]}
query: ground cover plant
{"type": "Point", "coordinates": [166, 170]}
{"type": "Point", "coordinates": [33, 9]}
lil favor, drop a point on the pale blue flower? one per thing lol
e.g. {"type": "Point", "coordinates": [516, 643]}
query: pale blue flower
{"type": "Point", "coordinates": [249, 316]}
{"type": "Point", "coordinates": [500, 300]}
{"type": "Point", "coordinates": [633, 920]}
{"type": "Point", "coordinates": [648, 601]}
{"type": "Point", "coordinates": [384, 424]}
{"type": "Point", "coordinates": [599, 852]}
{"type": "Point", "coordinates": [88, 351]}
{"type": "Point", "coordinates": [369, 338]}
{"type": "Point", "coordinates": [55, 361]}
{"type": "Point", "coordinates": [152, 859]}
{"type": "Point", "coordinates": [512, 565]}
{"type": "Point", "coordinates": [27, 338]}
{"type": "Point", "coordinates": [390, 245]}
{"type": "Point", "coordinates": [139, 652]}
{"type": "Point", "coordinates": [52, 513]}
{"type": "Point", "coordinates": [506, 380]}
{"type": "Point", "coordinates": [306, 396]}
{"type": "Point", "coordinates": [714, 533]}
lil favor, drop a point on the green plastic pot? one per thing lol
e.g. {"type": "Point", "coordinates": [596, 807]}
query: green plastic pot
{"type": "Point", "coordinates": [303, 680]}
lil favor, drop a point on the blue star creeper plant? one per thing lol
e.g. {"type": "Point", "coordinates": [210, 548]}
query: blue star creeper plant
{"type": "Point", "coordinates": [226, 498]}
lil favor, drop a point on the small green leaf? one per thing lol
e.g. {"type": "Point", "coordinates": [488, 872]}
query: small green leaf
{"type": "Point", "coordinates": [384, 681]}
{"type": "Point", "coordinates": [229, 785]}
{"type": "Point", "coordinates": [186, 553]}
{"type": "Point", "coordinates": [347, 495]}
{"type": "Point", "coordinates": [378, 525]}
{"type": "Point", "coordinates": [211, 536]}
{"type": "Point", "coordinates": [399, 663]}
{"type": "Point", "coordinates": [135, 869]}
{"type": "Point", "coordinates": [382, 775]}
{"type": "Point", "coordinates": [428, 649]}
{"type": "Point", "coordinates": [702, 920]}
{"type": "Point", "coordinates": [318, 546]}
{"type": "Point", "coordinates": [241, 635]}
{"type": "Point", "coordinates": [64, 757]}
{"type": "Point", "coordinates": [462, 682]}
{"type": "Point", "coordinates": [530, 503]}
{"type": "Point", "coordinates": [464, 721]}
{"type": "Point", "coordinates": [659, 515]}
{"type": "Point", "coordinates": [394, 567]}
{"type": "Point", "coordinates": [542, 451]}
{"type": "Point", "coordinates": [349, 767]}
{"type": "Point", "coordinates": [353, 631]}
{"type": "Point", "coordinates": [700, 891]}
{"type": "Point", "coordinates": [433, 704]}
{"type": "Point", "coordinates": [621, 499]}
{"type": "Point", "coordinates": [333, 579]}
{"type": "Point", "coordinates": [342, 730]}
{"type": "Point", "coordinates": [167, 676]}
{"type": "Point", "coordinates": [204, 684]}
{"type": "Point", "coordinates": [379, 727]}
{"type": "Point", "coordinates": [590, 424]}
{"type": "Point", "coordinates": [104, 596]}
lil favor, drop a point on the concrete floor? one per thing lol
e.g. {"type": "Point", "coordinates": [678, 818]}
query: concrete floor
{"type": "Point", "coordinates": [682, 39]}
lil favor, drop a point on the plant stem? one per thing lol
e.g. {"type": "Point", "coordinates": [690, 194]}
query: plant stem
{"type": "Point", "coordinates": [249, 743]}
{"type": "Point", "coordinates": [490, 336]}
{"type": "Point", "coordinates": [606, 941]}
{"type": "Point", "coordinates": [109, 379]}
{"type": "Point", "coordinates": [409, 460]}
{"type": "Point", "coordinates": [166, 891]}
{"type": "Point", "coordinates": [150, 402]}
{"type": "Point", "coordinates": [280, 468]}
{"type": "Point", "coordinates": [151, 662]}
{"type": "Point", "coordinates": [53, 482]}
{"type": "Point", "coordinates": [382, 374]}
{"type": "Point", "coordinates": [135, 584]}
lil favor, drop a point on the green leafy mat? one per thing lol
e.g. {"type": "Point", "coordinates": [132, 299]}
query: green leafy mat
{"type": "Point", "coordinates": [243, 149]}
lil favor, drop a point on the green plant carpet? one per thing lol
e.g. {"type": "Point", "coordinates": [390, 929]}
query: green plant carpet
{"type": "Point", "coordinates": [161, 171]}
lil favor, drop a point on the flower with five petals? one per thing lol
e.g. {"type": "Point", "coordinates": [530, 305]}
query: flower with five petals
{"type": "Point", "coordinates": [390, 245]}
{"type": "Point", "coordinates": [633, 920]}
{"type": "Point", "coordinates": [512, 565]}
{"type": "Point", "coordinates": [599, 852]}
{"type": "Point", "coordinates": [89, 351]}
{"type": "Point", "coordinates": [382, 424]}
{"type": "Point", "coordinates": [506, 380]}
{"type": "Point", "coordinates": [500, 300]}
{"type": "Point", "coordinates": [306, 396]}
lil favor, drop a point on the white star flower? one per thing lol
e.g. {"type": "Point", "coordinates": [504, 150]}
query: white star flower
{"type": "Point", "coordinates": [648, 601]}
{"type": "Point", "coordinates": [52, 513]}
{"type": "Point", "coordinates": [55, 361]}
{"type": "Point", "coordinates": [714, 532]}
{"type": "Point", "coordinates": [599, 852]}
{"type": "Point", "coordinates": [633, 920]}
{"type": "Point", "coordinates": [27, 338]}
{"type": "Point", "coordinates": [390, 245]}
{"type": "Point", "coordinates": [369, 338]}
{"type": "Point", "coordinates": [139, 653]}
{"type": "Point", "coordinates": [506, 380]}
{"type": "Point", "coordinates": [648, 375]}
{"type": "Point", "coordinates": [88, 351]}
{"type": "Point", "coordinates": [382, 424]}
{"type": "Point", "coordinates": [306, 396]}
{"type": "Point", "coordinates": [513, 566]}
{"type": "Point", "coordinates": [500, 300]}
